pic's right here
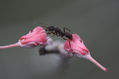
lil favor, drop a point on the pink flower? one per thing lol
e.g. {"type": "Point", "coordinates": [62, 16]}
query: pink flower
{"type": "Point", "coordinates": [77, 47]}
{"type": "Point", "coordinates": [35, 37]}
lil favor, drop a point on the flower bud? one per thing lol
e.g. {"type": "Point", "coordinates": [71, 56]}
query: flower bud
{"type": "Point", "coordinates": [35, 37]}
{"type": "Point", "coordinates": [77, 47]}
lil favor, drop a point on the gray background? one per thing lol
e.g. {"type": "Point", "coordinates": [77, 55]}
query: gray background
{"type": "Point", "coordinates": [96, 21]}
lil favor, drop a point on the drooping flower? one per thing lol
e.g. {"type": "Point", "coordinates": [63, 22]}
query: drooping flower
{"type": "Point", "coordinates": [35, 37]}
{"type": "Point", "coordinates": [77, 47]}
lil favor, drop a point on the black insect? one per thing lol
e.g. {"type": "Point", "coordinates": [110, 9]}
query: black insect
{"type": "Point", "coordinates": [58, 32]}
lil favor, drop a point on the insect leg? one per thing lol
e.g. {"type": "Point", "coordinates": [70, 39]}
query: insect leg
{"type": "Point", "coordinates": [49, 33]}
{"type": "Point", "coordinates": [64, 38]}
{"type": "Point", "coordinates": [70, 45]}
{"type": "Point", "coordinates": [67, 30]}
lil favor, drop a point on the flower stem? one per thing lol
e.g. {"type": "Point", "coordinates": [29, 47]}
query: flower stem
{"type": "Point", "coordinates": [97, 63]}
{"type": "Point", "coordinates": [9, 46]}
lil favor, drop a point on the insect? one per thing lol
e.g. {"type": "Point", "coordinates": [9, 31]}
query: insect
{"type": "Point", "coordinates": [58, 32]}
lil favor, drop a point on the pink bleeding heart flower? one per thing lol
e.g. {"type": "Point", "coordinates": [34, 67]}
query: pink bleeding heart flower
{"type": "Point", "coordinates": [35, 37]}
{"type": "Point", "coordinates": [77, 47]}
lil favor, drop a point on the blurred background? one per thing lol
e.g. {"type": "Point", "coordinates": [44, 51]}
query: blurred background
{"type": "Point", "coordinates": [96, 21]}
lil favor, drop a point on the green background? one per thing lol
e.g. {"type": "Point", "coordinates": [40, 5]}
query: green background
{"type": "Point", "coordinates": [96, 21]}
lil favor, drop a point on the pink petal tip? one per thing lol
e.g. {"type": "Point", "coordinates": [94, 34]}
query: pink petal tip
{"type": "Point", "coordinates": [106, 70]}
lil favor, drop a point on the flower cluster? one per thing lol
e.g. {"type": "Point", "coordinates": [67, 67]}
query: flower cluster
{"type": "Point", "coordinates": [38, 37]}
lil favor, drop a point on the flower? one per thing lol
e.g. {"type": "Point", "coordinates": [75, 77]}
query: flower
{"type": "Point", "coordinates": [77, 47]}
{"type": "Point", "coordinates": [35, 37]}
